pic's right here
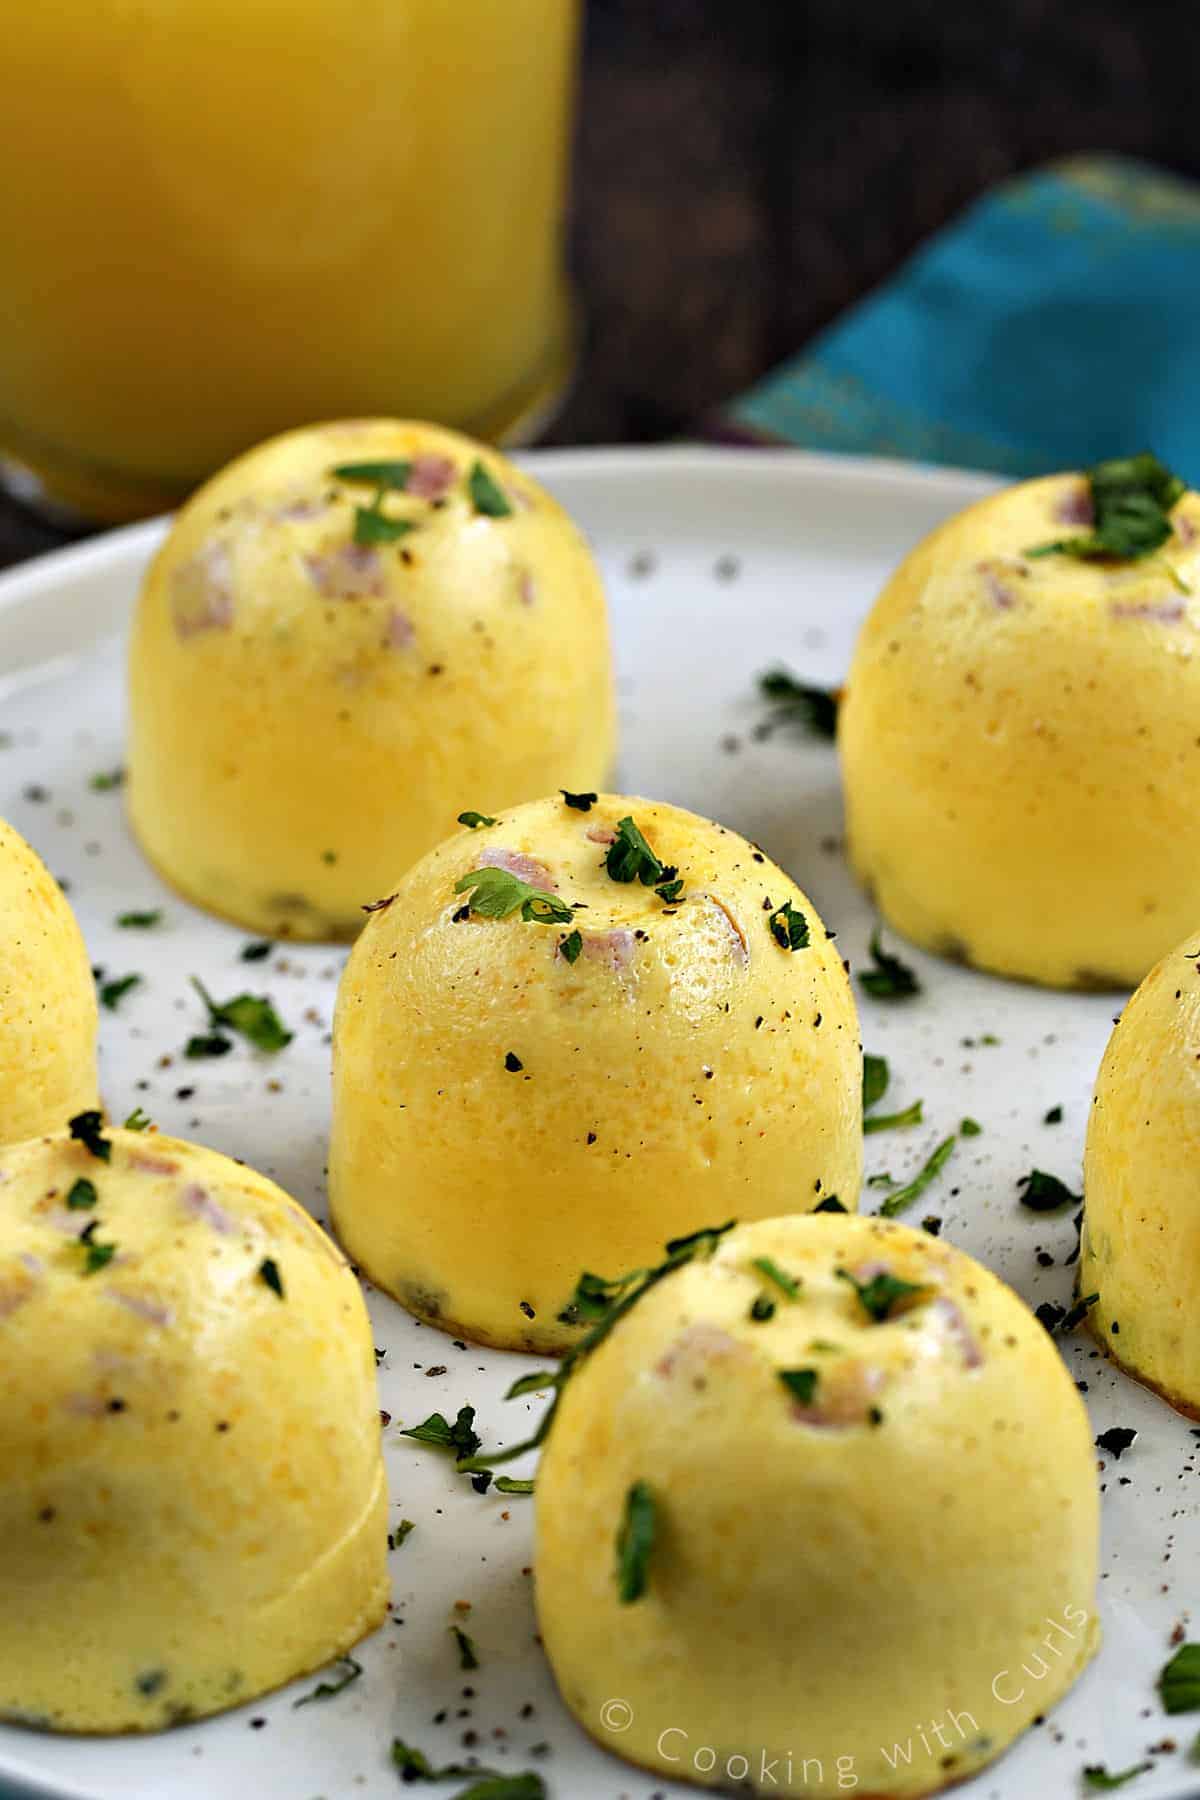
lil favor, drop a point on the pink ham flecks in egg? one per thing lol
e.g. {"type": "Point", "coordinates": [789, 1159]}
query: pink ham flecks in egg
{"type": "Point", "coordinates": [998, 590]}
{"type": "Point", "coordinates": [201, 593]}
{"type": "Point", "coordinates": [309, 506]}
{"type": "Point", "coordinates": [197, 1201]}
{"type": "Point", "coordinates": [400, 633]}
{"type": "Point", "coordinates": [430, 477]}
{"type": "Point", "coordinates": [844, 1396]}
{"type": "Point", "coordinates": [1075, 505]}
{"type": "Point", "coordinates": [525, 868]}
{"type": "Point", "coordinates": [86, 1406]}
{"type": "Point", "coordinates": [601, 834]}
{"type": "Point", "coordinates": [526, 588]}
{"type": "Point", "coordinates": [148, 1164]}
{"type": "Point", "coordinates": [349, 572]}
{"type": "Point", "coordinates": [153, 1311]}
{"type": "Point", "coordinates": [614, 949]}
{"type": "Point", "coordinates": [954, 1323]}
{"type": "Point", "coordinates": [16, 1286]}
{"type": "Point", "coordinates": [698, 1349]}
{"type": "Point", "coordinates": [1185, 529]}
{"type": "Point", "coordinates": [1158, 612]}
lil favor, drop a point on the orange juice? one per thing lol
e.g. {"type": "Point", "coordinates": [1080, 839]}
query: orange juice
{"type": "Point", "coordinates": [220, 218]}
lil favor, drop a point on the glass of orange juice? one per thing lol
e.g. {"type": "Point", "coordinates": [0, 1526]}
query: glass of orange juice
{"type": "Point", "coordinates": [222, 218]}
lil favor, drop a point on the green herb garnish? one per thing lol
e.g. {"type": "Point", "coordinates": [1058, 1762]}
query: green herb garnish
{"type": "Point", "coordinates": [140, 921]}
{"type": "Point", "coordinates": [1179, 1683]}
{"type": "Point", "coordinates": [113, 992]}
{"type": "Point", "coordinates": [251, 1015]}
{"type": "Point", "coordinates": [387, 474]}
{"type": "Point", "coordinates": [82, 1194]}
{"type": "Point", "coordinates": [630, 857]}
{"type": "Point", "coordinates": [1097, 1776]}
{"type": "Point", "coordinates": [413, 1765]}
{"type": "Point", "coordinates": [800, 1383]}
{"type": "Point", "coordinates": [348, 1671]}
{"type": "Point", "coordinates": [795, 702]}
{"type": "Point", "coordinates": [876, 1076]}
{"type": "Point", "coordinates": [1045, 1193]}
{"type": "Point", "coordinates": [372, 526]}
{"type": "Point", "coordinates": [95, 1255]}
{"type": "Point", "coordinates": [912, 1115]}
{"type": "Point", "coordinates": [969, 1128]}
{"type": "Point", "coordinates": [436, 1430]}
{"type": "Point", "coordinates": [579, 802]}
{"type": "Point", "coordinates": [635, 1542]}
{"type": "Point", "coordinates": [890, 979]}
{"type": "Point", "coordinates": [207, 1043]}
{"type": "Point", "coordinates": [628, 1291]}
{"type": "Point", "coordinates": [570, 946]}
{"type": "Point", "coordinates": [1054, 1116]}
{"type": "Point", "coordinates": [789, 927]}
{"type": "Point", "coordinates": [467, 1657]}
{"type": "Point", "coordinates": [107, 780]}
{"type": "Point", "coordinates": [268, 1274]}
{"type": "Point", "coordinates": [880, 1295]}
{"type": "Point", "coordinates": [87, 1128]}
{"type": "Point", "coordinates": [371, 523]}
{"type": "Point", "coordinates": [509, 1484]}
{"type": "Point", "coordinates": [787, 1284]}
{"type": "Point", "coordinates": [1132, 498]}
{"type": "Point", "coordinates": [397, 1537]}
{"type": "Point", "coordinates": [256, 952]}
{"type": "Point", "coordinates": [904, 1197]}
{"type": "Point", "coordinates": [762, 1308]}
{"type": "Point", "coordinates": [830, 1203]}
{"type": "Point", "coordinates": [487, 496]}
{"type": "Point", "coordinates": [1078, 1313]}
{"type": "Point", "coordinates": [594, 1297]}
{"type": "Point", "coordinates": [497, 893]}
{"type": "Point", "coordinates": [473, 820]}
{"type": "Point", "coordinates": [138, 1120]}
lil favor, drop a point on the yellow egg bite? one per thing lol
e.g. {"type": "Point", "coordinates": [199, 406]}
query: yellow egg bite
{"type": "Point", "coordinates": [47, 999]}
{"type": "Point", "coordinates": [322, 665]}
{"type": "Point", "coordinates": [1020, 745]}
{"type": "Point", "coordinates": [192, 1499]}
{"type": "Point", "coordinates": [820, 1512]}
{"type": "Point", "coordinates": [1140, 1249]}
{"type": "Point", "coordinates": [517, 1100]}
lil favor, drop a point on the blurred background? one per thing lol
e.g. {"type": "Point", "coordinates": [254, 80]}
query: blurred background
{"type": "Point", "coordinates": [743, 174]}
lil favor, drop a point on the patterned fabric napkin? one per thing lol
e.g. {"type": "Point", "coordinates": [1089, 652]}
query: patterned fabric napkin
{"type": "Point", "coordinates": [1056, 322]}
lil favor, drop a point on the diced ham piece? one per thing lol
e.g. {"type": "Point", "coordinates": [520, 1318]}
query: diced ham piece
{"type": "Point", "coordinates": [527, 588]}
{"type": "Point", "coordinates": [400, 632]}
{"type": "Point", "coordinates": [699, 1348]}
{"type": "Point", "coordinates": [430, 477]}
{"type": "Point", "coordinates": [601, 834]}
{"type": "Point", "coordinates": [957, 1330]}
{"type": "Point", "coordinates": [1158, 612]}
{"type": "Point", "coordinates": [305, 507]}
{"type": "Point", "coordinates": [200, 1203]}
{"type": "Point", "coordinates": [998, 590]}
{"type": "Point", "coordinates": [1075, 506]}
{"type": "Point", "coordinates": [202, 592]}
{"type": "Point", "coordinates": [614, 948]}
{"type": "Point", "coordinates": [525, 868]}
{"type": "Point", "coordinates": [153, 1311]}
{"type": "Point", "coordinates": [15, 1288]}
{"type": "Point", "coordinates": [349, 572]}
{"type": "Point", "coordinates": [1185, 529]}
{"type": "Point", "coordinates": [845, 1393]}
{"type": "Point", "coordinates": [149, 1164]}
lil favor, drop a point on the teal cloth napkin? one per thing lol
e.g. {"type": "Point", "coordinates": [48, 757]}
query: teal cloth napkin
{"type": "Point", "coordinates": [1056, 322]}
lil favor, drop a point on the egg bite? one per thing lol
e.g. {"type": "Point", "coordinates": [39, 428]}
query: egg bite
{"type": "Point", "coordinates": [821, 1505]}
{"type": "Point", "coordinates": [192, 1499]}
{"type": "Point", "coordinates": [1019, 742]}
{"type": "Point", "coordinates": [524, 1087]}
{"type": "Point", "coordinates": [347, 629]}
{"type": "Point", "coordinates": [1140, 1246]}
{"type": "Point", "coordinates": [47, 999]}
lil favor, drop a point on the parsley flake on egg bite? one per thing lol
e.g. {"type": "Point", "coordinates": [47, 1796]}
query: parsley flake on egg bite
{"type": "Point", "coordinates": [346, 630]}
{"type": "Point", "coordinates": [569, 1036]}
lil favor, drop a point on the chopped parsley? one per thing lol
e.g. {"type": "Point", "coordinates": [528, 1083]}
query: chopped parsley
{"type": "Point", "coordinates": [460, 1438]}
{"type": "Point", "coordinates": [88, 1129]}
{"type": "Point", "coordinates": [904, 1197]}
{"type": "Point", "coordinates": [106, 780]}
{"type": "Point", "coordinates": [467, 1656]}
{"type": "Point", "coordinates": [473, 820]}
{"type": "Point", "coordinates": [487, 496]}
{"type": "Point", "coordinates": [82, 1194]}
{"type": "Point", "coordinates": [1045, 1193]}
{"type": "Point", "coordinates": [630, 857]}
{"type": "Point", "coordinates": [1054, 1116]}
{"type": "Point", "coordinates": [787, 1284]}
{"type": "Point", "coordinates": [594, 1297]}
{"type": "Point", "coordinates": [801, 1383]}
{"type": "Point", "coordinates": [1078, 1313]}
{"type": "Point", "coordinates": [635, 1542]}
{"type": "Point", "coordinates": [830, 1203]}
{"type": "Point", "coordinates": [138, 1120]}
{"type": "Point", "coordinates": [140, 921]}
{"type": "Point", "coordinates": [398, 1537]}
{"type": "Point", "coordinates": [762, 1308]}
{"type": "Point", "coordinates": [348, 1670]}
{"type": "Point", "coordinates": [875, 1078]}
{"type": "Point", "coordinates": [95, 1255]}
{"type": "Point", "coordinates": [629, 1290]}
{"type": "Point", "coordinates": [258, 952]}
{"type": "Point", "coordinates": [113, 992]}
{"type": "Point", "coordinates": [387, 474]}
{"type": "Point", "coordinates": [880, 1296]}
{"type": "Point", "coordinates": [570, 946]}
{"type": "Point", "coordinates": [912, 1115]}
{"type": "Point", "coordinates": [969, 1128]}
{"type": "Point", "coordinates": [207, 1043]}
{"type": "Point", "coordinates": [1096, 1776]}
{"type": "Point", "coordinates": [890, 979]}
{"type": "Point", "coordinates": [1116, 1440]}
{"type": "Point", "coordinates": [509, 1484]}
{"type": "Point", "coordinates": [268, 1274]}
{"type": "Point", "coordinates": [1179, 1683]}
{"type": "Point", "coordinates": [789, 927]}
{"type": "Point", "coordinates": [497, 893]}
{"type": "Point", "coordinates": [670, 888]}
{"type": "Point", "coordinates": [413, 1765]}
{"type": "Point", "coordinates": [251, 1015]}
{"type": "Point", "coordinates": [579, 802]}
{"type": "Point", "coordinates": [1132, 498]}
{"type": "Point", "coordinates": [371, 524]}
{"type": "Point", "coordinates": [813, 709]}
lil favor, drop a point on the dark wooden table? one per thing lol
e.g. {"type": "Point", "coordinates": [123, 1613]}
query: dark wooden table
{"type": "Point", "coordinates": [747, 170]}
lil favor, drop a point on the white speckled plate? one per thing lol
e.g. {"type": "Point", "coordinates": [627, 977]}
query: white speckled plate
{"type": "Point", "coordinates": [718, 564]}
